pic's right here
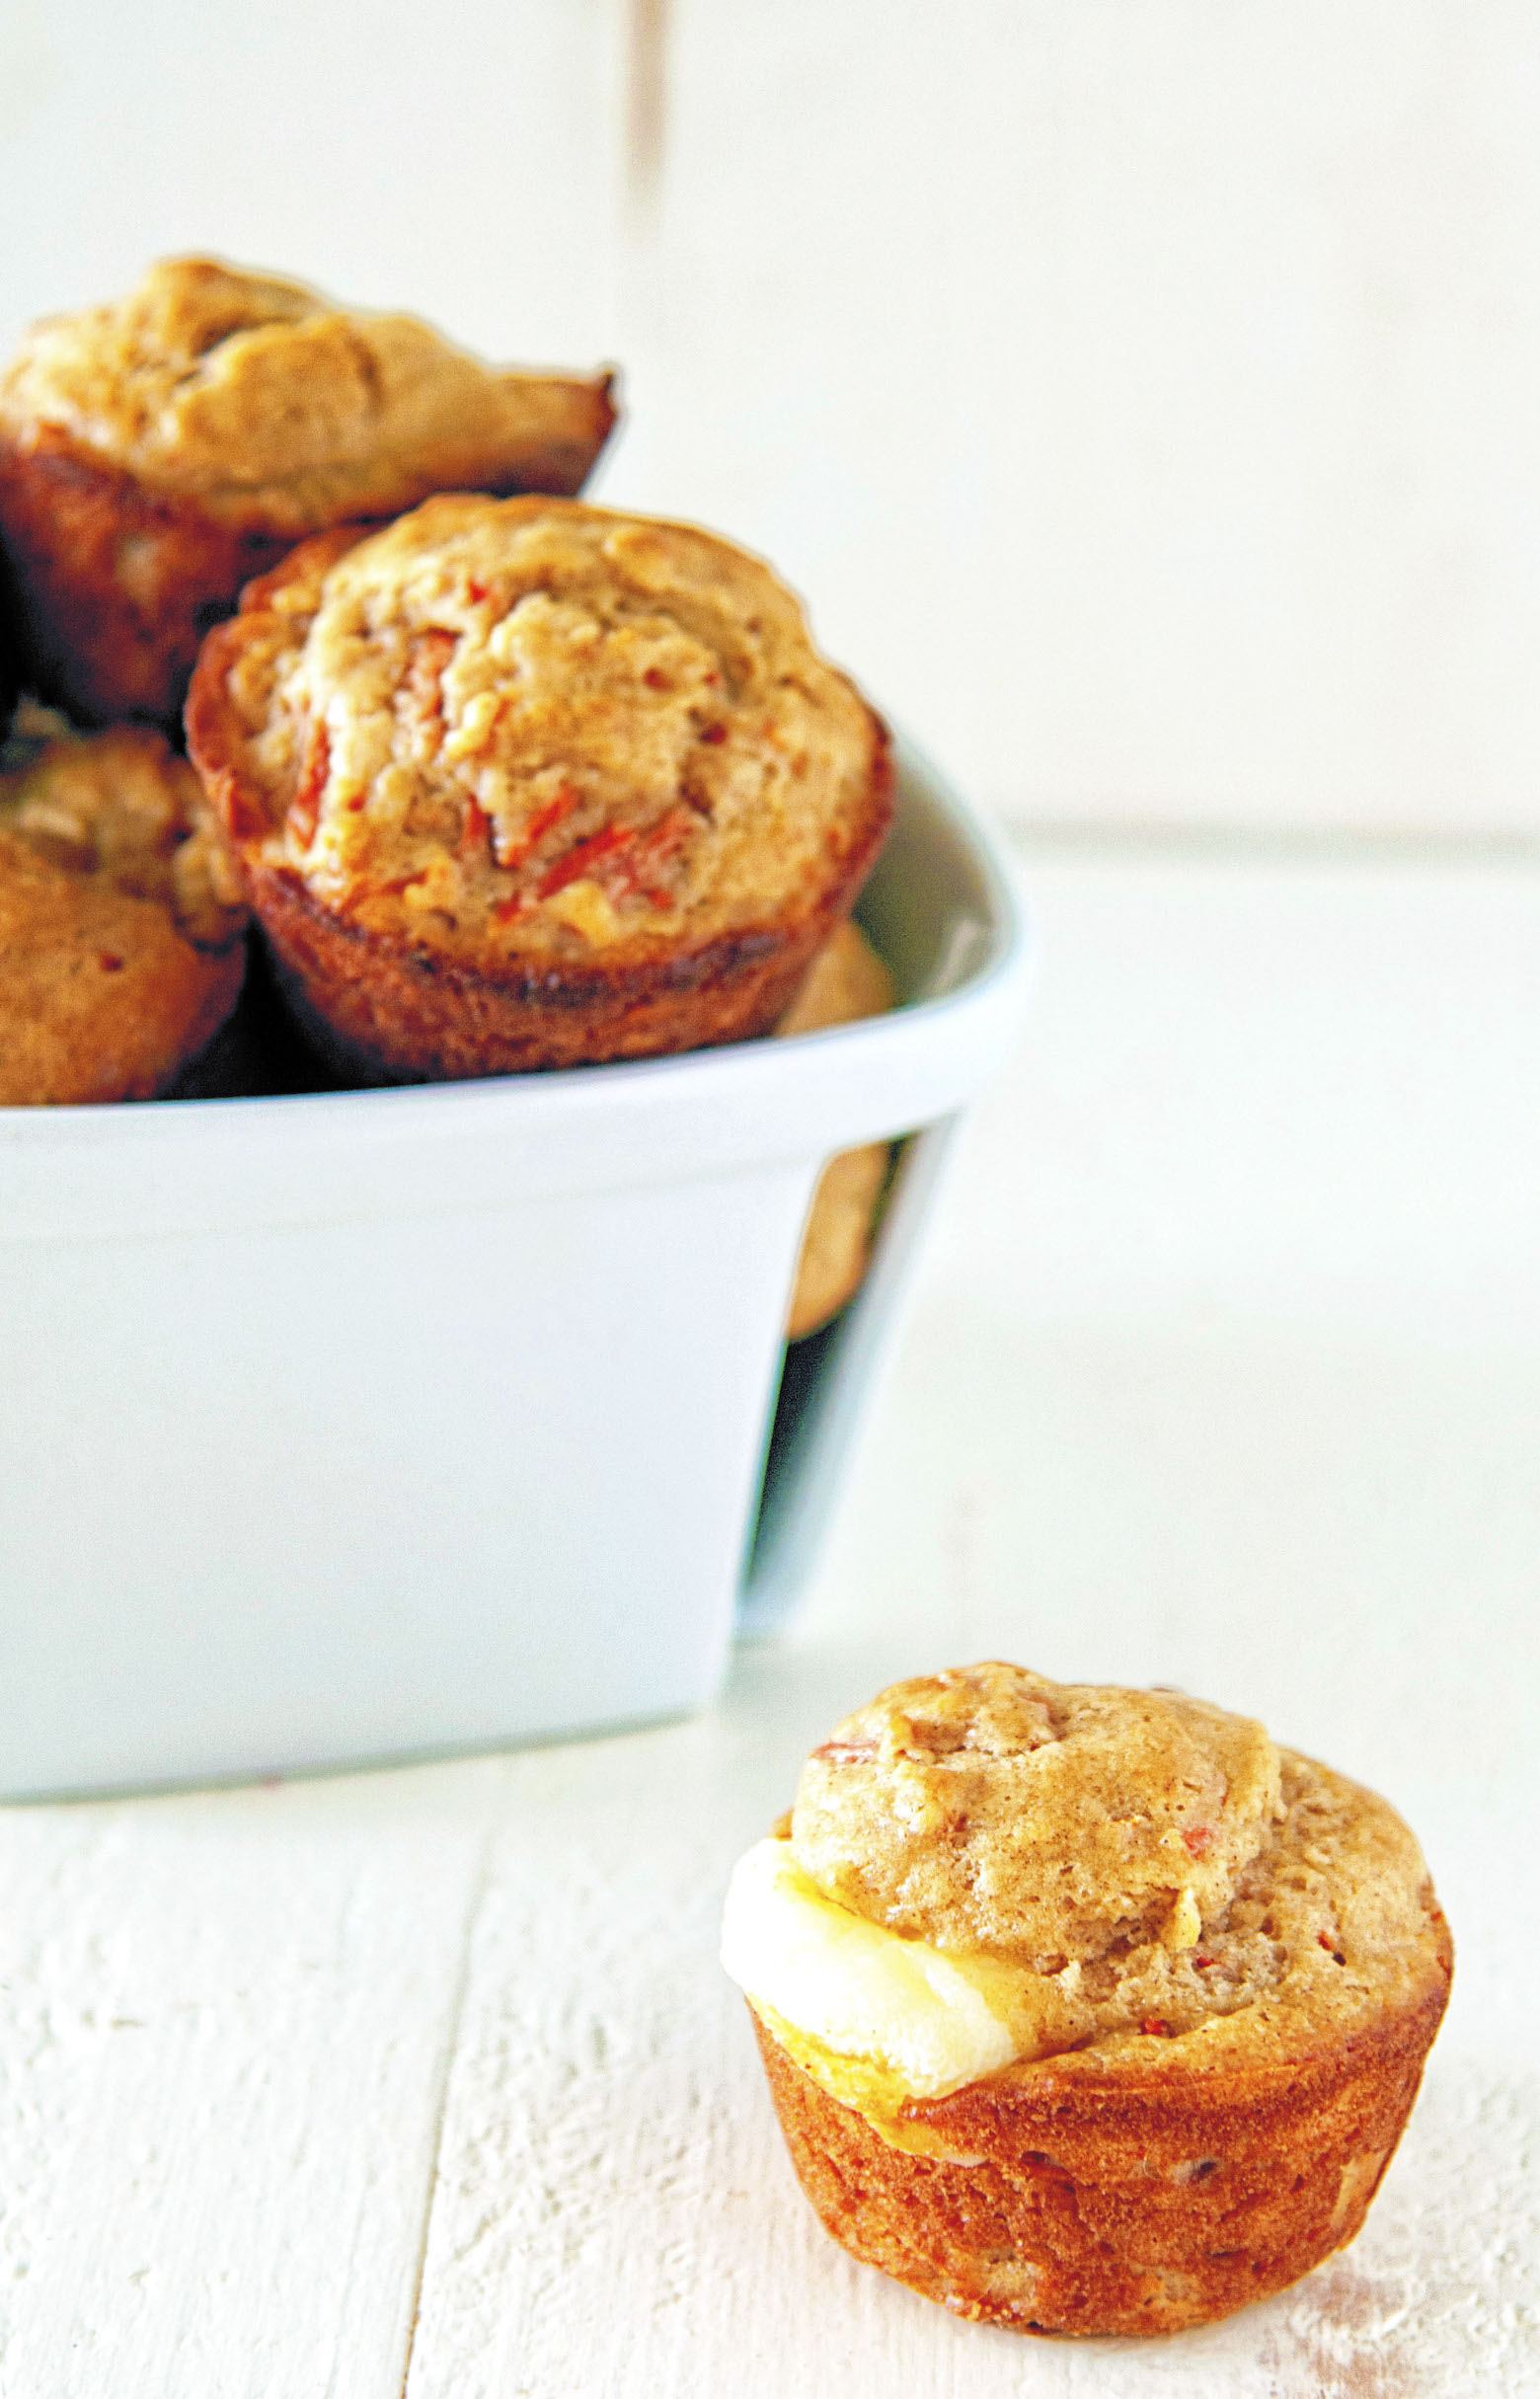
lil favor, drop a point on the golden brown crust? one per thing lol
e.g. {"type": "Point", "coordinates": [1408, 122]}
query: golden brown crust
{"type": "Point", "coordinates": [1119, 2198]}
{"type": "Point", "coordinates": [101, 998]}
{"type": "Point", "coordinates": [158, 453]}
{"type": "Point", "coordinates": [384, 1010]}
{"type": "Point", "coordinates": [119, 584]}
{"type": "Point", "coordinates": [1205, 2084]}
{"type": "Point", "coordinates": [121, 928]}
{"type": "Point", "coordinates": [425, 910]}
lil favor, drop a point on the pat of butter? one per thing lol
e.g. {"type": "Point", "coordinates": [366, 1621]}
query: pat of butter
{"type": "Point", "coordinates": [928, 2021]}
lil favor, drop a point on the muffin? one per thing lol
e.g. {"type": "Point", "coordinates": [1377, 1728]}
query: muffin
{"type": "Point", "coordinates": [120, 917]}
{"type": "Point", "coordinates": [526, 783]}
{"type": "Point", "coordinates": [158, 452]}
{"type": "Point", "coordinates": [846, 981]}
{"type": "Point", "coordinates": [1085, 2010]}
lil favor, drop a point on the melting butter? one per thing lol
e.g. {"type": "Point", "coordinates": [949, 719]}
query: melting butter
{"type": "Point", "coordinates": [921, 2021]}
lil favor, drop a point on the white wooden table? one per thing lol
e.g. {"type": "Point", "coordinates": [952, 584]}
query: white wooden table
{"type": "Point", "coordinates": [1225, 1371]}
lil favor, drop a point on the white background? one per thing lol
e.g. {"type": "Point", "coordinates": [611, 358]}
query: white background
{"type": "Point", "coordinates": [1144, 392]}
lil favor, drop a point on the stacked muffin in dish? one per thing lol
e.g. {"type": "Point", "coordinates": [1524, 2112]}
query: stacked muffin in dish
{"type": "Point", "coordinates": [121, 917]}
{"type": "Point", "coordinates": [158, 452]}
{"type": "Point", "coordinates": [527, 783]}
{"type": "Point", "coordinates": [1085, 2010]}
{"type": "Point", "coordinates": [507, 782]}
{"type": "Point", "coordinates": [154, 453]}
{"type": "Point", "coordinates": [846, 981]}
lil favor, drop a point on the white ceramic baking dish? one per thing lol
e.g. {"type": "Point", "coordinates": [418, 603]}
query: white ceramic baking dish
{"type": "Point", "coordinates": [353, 1425]}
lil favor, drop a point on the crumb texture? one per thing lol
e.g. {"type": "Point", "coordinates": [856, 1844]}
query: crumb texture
{"type": "Point", "coordinates": [497, 729]}
{"type": "Point", "coordinates": [988, 1808]}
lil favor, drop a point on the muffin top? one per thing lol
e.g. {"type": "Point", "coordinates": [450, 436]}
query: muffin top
{"type": "Point", "coordinates": [121, 808]}
{"type": "Point", "coordinates": [529, 725]}
{"type": "Point", "coordinates": [988, 1808]}
{"type": "Point", "coordinates": [986, 1870]}
{"type": "Point", "coordinates": [119, 914]}
{"type": "Point", "coordinates": [274, 408]}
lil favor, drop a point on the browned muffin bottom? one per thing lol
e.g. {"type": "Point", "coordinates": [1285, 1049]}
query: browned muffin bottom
{"type": "Point", "coordinates": [528, 784]}
{"type": "Point", "coordinates": [1074, 2196]}
{"type": "Point", "coordinates": [1221, 1966]}
{"type": "Point", "coordinates": [157, 453]}
{"type": "Point", "coordinates": [120, 919]}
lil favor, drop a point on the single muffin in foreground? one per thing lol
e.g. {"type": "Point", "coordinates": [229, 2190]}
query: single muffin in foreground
{"type": "Point", "coordinates": [121, 916]}
{"type": "Point", "coordinates": [530, 784]}
{"type": "Point", "coordinates": [846, 981]}
{"type": "Point", "coordinates": [158, 452]}
{"type": "Point", "coordinates": [1085, 2010]}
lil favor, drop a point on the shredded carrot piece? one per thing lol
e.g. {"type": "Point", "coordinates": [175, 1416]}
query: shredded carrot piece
{"type": "Point", "coordinates": [423, 682]}
{"type": "Point", "coordinates": [305, 807]}
{"type": "Point", "coordinates": [654, 851]}
{"type": "Point", "coordinates": [539, 826]}
{"type": "Point", "coordinates": [581, 856]}
{"type": "Point", "coordinates": [476, 832]}
{"type": "Point", "coordinates": [246, 820]}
